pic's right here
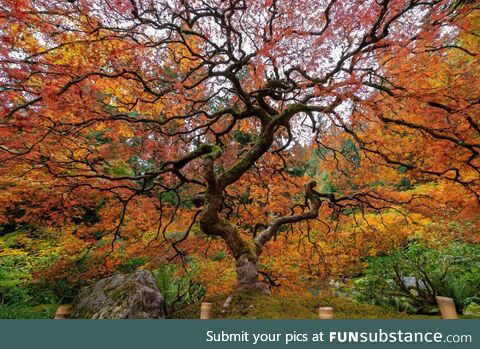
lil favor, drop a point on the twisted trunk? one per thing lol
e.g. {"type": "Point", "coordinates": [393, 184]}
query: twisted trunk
{"type": "Point", "coordinates": [247, 272]}
{"type": "Point", "coordinates": [246, 252]}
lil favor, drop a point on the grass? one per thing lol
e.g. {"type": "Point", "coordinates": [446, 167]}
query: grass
{"type": "Point", "coordinates": [15, 311]}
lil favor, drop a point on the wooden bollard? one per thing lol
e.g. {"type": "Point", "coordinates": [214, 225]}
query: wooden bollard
{"type": "Point", "coordinates": [325, 313]}
{"type": "Point", "coordinates": [63, 312]}
{"type": "Point", "coordinates": [205, 311]}
{"type": "Point", "coordinates": [447, 307]}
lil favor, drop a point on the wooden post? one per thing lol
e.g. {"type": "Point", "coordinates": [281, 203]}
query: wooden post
{"type": "Point", "coordinates": [325, 313]}
{"type": "Point", "coordinates": [447, 307]}
{"type": "Point", "coordinates": [63, 312]}
{"type": "Point", "coordinates": [205, 311]}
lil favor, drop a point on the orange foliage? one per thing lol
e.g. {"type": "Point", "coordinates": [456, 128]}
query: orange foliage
{"type": "Point", "coordinates": [111, 112]}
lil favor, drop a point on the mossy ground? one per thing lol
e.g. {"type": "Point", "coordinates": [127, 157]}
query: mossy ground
{"type": "Point", "coordinates": [254, 306]}
{"type": "Point", "coordinates": [257, 306]}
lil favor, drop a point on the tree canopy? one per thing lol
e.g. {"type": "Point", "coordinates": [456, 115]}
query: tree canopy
{"type": "Point", "coordinates": [160, 127]}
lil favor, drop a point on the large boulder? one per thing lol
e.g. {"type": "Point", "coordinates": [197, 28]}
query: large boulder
{"type": "Point", "coordinates": [122, 296]}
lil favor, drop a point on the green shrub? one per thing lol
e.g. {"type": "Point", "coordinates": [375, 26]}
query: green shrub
{"type": "Point", "coordinates": [130, 265]}
{"type": "Point", "coordinates": [178, 288]}
{"type": "Point", "coordinates": [23, 252]}
{"type": "Point", "coordinates": [22, 311]}
{"type": "Point", "coordinates": [409, 279]}
{"type": "Point", "coordinates": [19, 297]}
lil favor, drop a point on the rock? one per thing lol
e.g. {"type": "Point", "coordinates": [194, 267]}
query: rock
{"type": "Point", "coordinates": [122, 296]}
{"type": "Point", "coordinates": [412, 282]}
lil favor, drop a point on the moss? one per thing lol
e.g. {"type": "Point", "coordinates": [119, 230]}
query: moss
{"type": "Point", "coordinates": [250, 247]}
{"type": "Point", "coordinates": [251, 305]}
{"type": "Point", "coordinates": [117, 294]}
{"type": "Point", "coordinates": [214, 151]}
{"type": "Point", "coordinates": [245, 245]}
{"type": "Point", "coordinates": [242, 165]}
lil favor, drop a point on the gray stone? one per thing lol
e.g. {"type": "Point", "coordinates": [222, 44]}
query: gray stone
{"type": "Point", "coordinates": [412, 282]}
{"type": "Point", "coordinates": [122, 296]}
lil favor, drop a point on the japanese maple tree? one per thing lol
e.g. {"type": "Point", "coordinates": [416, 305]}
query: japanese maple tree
{"type": "Point", "coordinates": [154, 110]}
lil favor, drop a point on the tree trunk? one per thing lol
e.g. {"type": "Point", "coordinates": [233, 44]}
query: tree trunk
{"type": "Point", "coordinates": [245, 252]}
{"type": "Point", "coordinates": [247, 274]}
{"type": "Point", "coordinates": [246, 258]}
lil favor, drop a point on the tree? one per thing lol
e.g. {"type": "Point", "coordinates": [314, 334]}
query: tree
{"type": "Point", "coordinates": [133, 107]}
